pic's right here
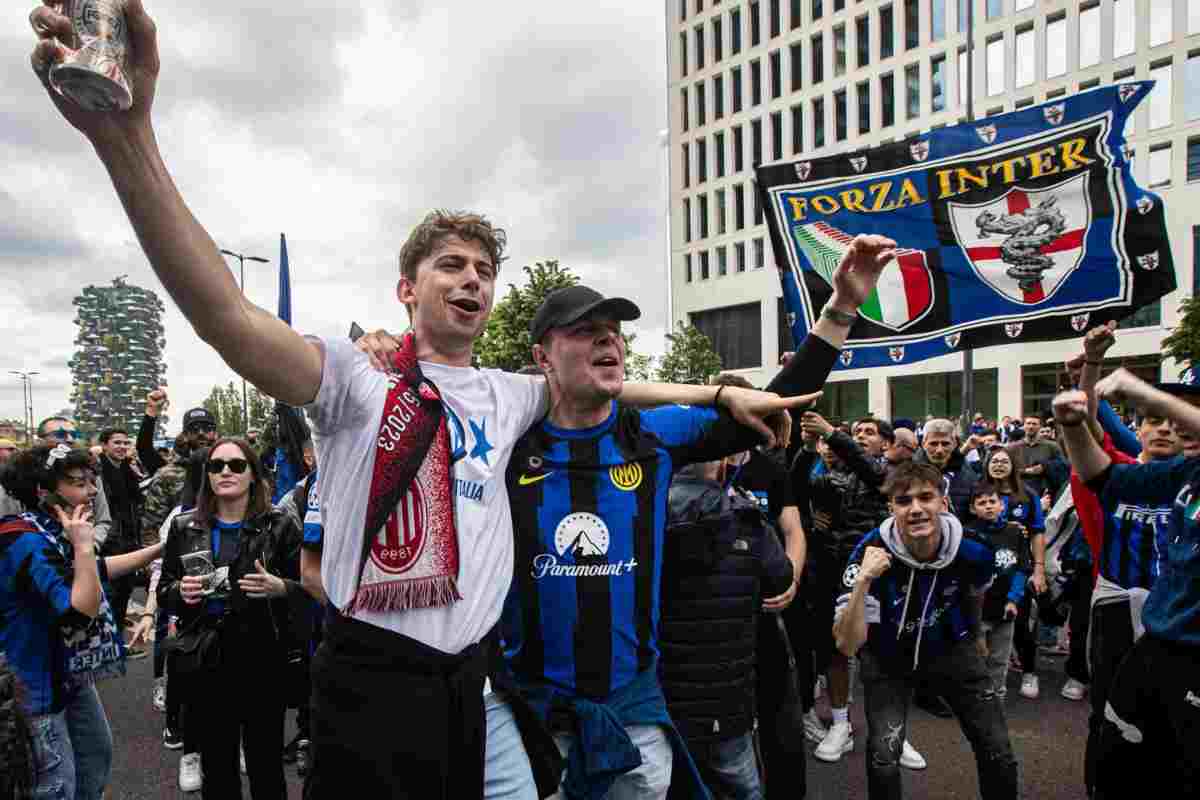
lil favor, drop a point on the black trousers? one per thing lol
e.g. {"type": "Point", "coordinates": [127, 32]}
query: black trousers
{"type": "Point", "coordinates": [1153, 727]}
{"type": "Point", "coordinates": [1080, 623]}
{"type": "Point", "coordinates": [242, 700]}
{"type": "Point", "coordinates": [1111, 641]}
{"type": "Point", "coordinates": [1025, 632]}
{"type": "Point", "coordinates": [783, 751]}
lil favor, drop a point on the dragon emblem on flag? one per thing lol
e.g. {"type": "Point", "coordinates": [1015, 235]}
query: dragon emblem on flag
{"type": "Point", "coordinates": [919, 150]}
{"type": "Point", "coordinates": [1013, 329]}
{"type": "Point", "coordinates": [847, 356]}
{"type": "Point", "coordinates": [1148, 261]}
{"type": "Point", "coordinates": [803, 169]}
{"type": "Point", "coordinates": [896, 353]}
{"type": "Point", "coordinates": [1054, 114]}
{"type": "Point", "coordinates": [1126, 91]}
{"type": "Point", "coordinates": [1080, 321]}
{"type": "Point", "coordinates": [987, 133]}
{"type": "Point", "coordinates": [859, 163]}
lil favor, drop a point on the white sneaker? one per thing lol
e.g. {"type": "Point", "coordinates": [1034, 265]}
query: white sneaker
{"type": "Point", "coordinates": [838, 741]}
{"type": "Point", "coordinates": [1073, 689]}
{"type": "Point", "coordinates": [910, 758]}
{"type": "Point", "coordinates": [191, 779]}
{"type": "Point", "coordinates": [160, 694]}
{"type": "Point", "coordinates": [1029, 686]}
{"type": "Point", "coordinates": [814, 730]}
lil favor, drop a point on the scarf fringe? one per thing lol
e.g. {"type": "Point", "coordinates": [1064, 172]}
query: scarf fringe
{"type": "Point", "coordinates": [405, 594]}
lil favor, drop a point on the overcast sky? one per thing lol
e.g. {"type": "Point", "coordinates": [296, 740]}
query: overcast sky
{"type": "Point", "coordinates": [340, 124]}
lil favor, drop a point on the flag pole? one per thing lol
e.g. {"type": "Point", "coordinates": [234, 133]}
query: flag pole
{"type": "Point", "coordinates": [968, 356]}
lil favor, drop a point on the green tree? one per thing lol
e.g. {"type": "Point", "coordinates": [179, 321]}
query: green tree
{"type": "Point", "coordinates": [505, 342]}
{"type": "Point", "coordinates": [690, 357]}
{"type": "Point", "coordinates": [225, 404]}
{"type": "Point", "coordinates": [1183, 344]}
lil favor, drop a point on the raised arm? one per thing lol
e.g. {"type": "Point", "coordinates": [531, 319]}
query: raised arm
{"type": "Point", "coordinates": [252, 341]}
{"type": "Point", "coordinates": [149, 457]}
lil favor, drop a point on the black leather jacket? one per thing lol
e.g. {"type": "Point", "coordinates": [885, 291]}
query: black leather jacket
{"type": "Point", "coordinates": [272, 537]}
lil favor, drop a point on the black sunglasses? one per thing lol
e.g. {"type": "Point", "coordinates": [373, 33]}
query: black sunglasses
{"type": "Point", "coordinates": [216, 466]}
{"type": "Point", "coordinates": [202, 427]}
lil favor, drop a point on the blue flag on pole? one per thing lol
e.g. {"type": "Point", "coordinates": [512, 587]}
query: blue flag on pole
{"type": "Point", "coordinates": [285, 283]}
{"type": "Point", "coordinates": [292, 430]}
{"type": "Point", "coordinates": [1021, 227]}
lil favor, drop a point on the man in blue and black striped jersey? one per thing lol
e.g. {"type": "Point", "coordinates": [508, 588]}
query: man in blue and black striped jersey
{"type": "Point", "coordinates": [588, 491]}
{"type": "Point", "coordinates": [1152, 717]}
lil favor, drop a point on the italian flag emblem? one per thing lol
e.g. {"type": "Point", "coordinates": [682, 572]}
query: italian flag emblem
{"type": "Point", "coordinates": [905, 290]}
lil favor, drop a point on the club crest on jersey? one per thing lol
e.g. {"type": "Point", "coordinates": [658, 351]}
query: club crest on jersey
{"type": "Point", "coordinates": [859, 163]}
{"type": "Point", "coordinates": [953, 339]}
{"type": "Point", "coordinates": [1054, 113]}
{"type": "Point", "coordinates": [1144, 205]}
{"type": "Point", "coordinates": [1126, 91]}
{"type": "Point", "coordinates": [850, 575]}
{"type": "Point", "coordinates": [626, 477]}
{"type": "Point", "coordinates": [803, 169]}
{"type": "Point", "coordinates": [846, 357]}
{"type": "Point", "coordinates": [987, 133]}
{"type": "Point", "coordinates": [1080, 321]}
{"type": "Point", "coordinates": [1005, 559]}
{"type": "Point", "coordinates": [896, 353]}
{"type": "Point", "coordinates": [1013, 329]}
{"type": "Point", "coordinates": [1148, 261]}
{"type": "Point", "coordinates": [919, 150]}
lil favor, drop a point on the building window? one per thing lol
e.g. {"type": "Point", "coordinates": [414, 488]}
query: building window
{"type": "Point", "coordinates": [912, 23]}
{"type": "Point", "coordinates": [758, 207]}
{"type": "Point", "coordinates": [940, 394]}
{"type": "Point", "coordinates": [839, 115]}
{"type": "Point", "coordinates": [843, 399]}
{"type": "Point", "coordinates": [1161, 13]}
{"type": "Point", "coordinates": [777, 136]}
{"type": "Point", "coordinates": [912, 87]}
{"type": "Point", "coordinates": [1025, 57]}
{"type": "Point", "coordinates": [962, 77]}
{"type": "Point", "coordinates": [775, 22]}
{"type": "Point", "coordinates": [701, 161]}
{"type": "Point", "coordinates": [838, 5]}
{"type": "Point", "coordinates": [995, 9]}
{"type": "Point", "coordinates": [1193, 169]}
{"type": "Point", "coordinates": [1090, 83]}
{"type": "Point", "coordinates": [735, 83]}
{"type": "Point", "coordinates": [687, 219]}
{"type": "Point", "coordinates": [995, 66]}
{"type": "Point", "coordinates": [721, 213]}
{"type": "Point", "coordinates": [962, 16]}
{"type": "Point", "coordinates": [739, 207]}
{"type": "Point", "coordinates": [839, 50]}
{"type": "Point", "coordinates": [937, 20]}
{"type": "Point", "coordinates": [704, 265]}
{"type": "Point", "coordinates": [775, 60]}
{"type": "Point", "coordinates": [1024, 102]}
{"type": "Point", "coordinates": [702, 215]}
{"type": "Point", "coordinates": [683, 104]}
{"type": "Point", "coordinates": [760, 254]}
{"type": "Point", "coordinates": [718, 96]}
{"type": "Point", "coordinates": [1124, 27]}
{"type": "Point", "coordinates": [1041, 382]}
{"type": "Point", "coordinates": [755, 82]}
{"type": "Point", "coordinates": [998, 110]}
{"type": "Point", "coordinates": [1191, 94]}
{"type": "Point", "coordinates": [701, 106]}
{"type": "Point", "coordinates": [887, 97]}
{"type": "Point", "coordinates": [937, 83]}
{"type": "Point", "coordinates": [1089, 36]}
{"type": "Point", "coordinates": [1056, 47]}
{"type": "Point", "coordinates": [683, 55]}
{"type": "Point", "coordinates": [784, 342]}
{"type": "Point", "coordinates": [816, 49]}
{"type": "Point", "coordinates": [687, 167]}
{"type": "Point", "coordinates": [864, 107]}
{"type": "Point", "coordinates": [698, 34]}
{"type": "Point", "coordinates": [687, 267]}
{"type": "Point", "coordinates": [797, 129]}
{"type": "Point", "coordinates": [1149, 316]}
{"type": "Point", "coordinates": [755, 24]}
{"type": "Point", "coordinates": [887, 33]}
{"type": "Point", "coordinates": [700, 5]}
{"type": "Point", "coordinates": [862, 35]}
{"type": "Point", "coordinates": [682, 10]}
{"type": "Point", "coordinates": [818, 9]}
{"type": "Point", "coordinates": [718, 41]}
{"type": "Point", "coordinates": [735, 31]}
{"type": "Point", "coordinates": [797, 61]}
{"type": "Point", "coordinates": [756, 143]}
{"type": "Point", "coordinates": [795, 16]}
{"type": "Point", "coordinates": [739, 256]}
{"type": "Point", "coordinates": [1160, 165]}
{"type": "Point", "coordinates": [722, 267]}
{"type": "Point", "coordinates": [735, 332]}
{"type": "Point", "coordinates": [719, 153]}
{"type": "Point", "coordinates": [1123, 74]}
{"type": "Point", "coordinates": [1160, 95]}
{"type": "Point", "coordinates": [739, 150]}
{"type": "Point", "coordinates": [818, 117]}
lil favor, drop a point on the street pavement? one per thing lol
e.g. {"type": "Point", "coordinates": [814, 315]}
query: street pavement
{"type": "Point", "coordinates": [1048, 736]}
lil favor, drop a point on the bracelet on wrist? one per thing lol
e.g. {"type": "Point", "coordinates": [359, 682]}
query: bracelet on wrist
{"type": "Point", "coordinates": [717, 396]}
{"type": "Point", "coordinates": [838, 317]}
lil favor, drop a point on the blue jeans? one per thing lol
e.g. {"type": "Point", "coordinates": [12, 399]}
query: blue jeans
{"type": "Point", "coordinates": [651, 780]}
{"type": "Point", "coordinates": [729, 768]}
{"type": "Point", "coordinates": [507, 774]}
{"type": "Point", "coordinates": [73, 749]}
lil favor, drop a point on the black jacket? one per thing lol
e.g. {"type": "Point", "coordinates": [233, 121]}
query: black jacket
{"type": "Point", "coordinates": [849, 495]}
{"type": "Point", "coordinates": [960, 478]}
{"type": "Point", "coordinates": [272, 537]}
{"type": "Point", "coordinates": [720, 558]}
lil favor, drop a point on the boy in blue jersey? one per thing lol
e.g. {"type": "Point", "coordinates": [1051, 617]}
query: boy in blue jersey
{"type": "Point", "coordinates": [915, 589]}
{"type": "Point", "coordinates": [588, 492]}
{"type": "Point", "coordinates": [1152, 717]}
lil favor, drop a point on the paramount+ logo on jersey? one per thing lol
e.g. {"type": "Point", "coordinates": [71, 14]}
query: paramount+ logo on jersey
{"type": "Point", "coordinates": [581, 542]}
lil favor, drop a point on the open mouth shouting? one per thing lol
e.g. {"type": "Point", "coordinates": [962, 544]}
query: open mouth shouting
{"type": "Point", "coordinates": [606, 361]}
{"type": "Point", "coordinates": [467, 305]}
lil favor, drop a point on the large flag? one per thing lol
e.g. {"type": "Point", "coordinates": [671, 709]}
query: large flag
{"type": "Point", "coordinates": [1021, 227]}
{"type": "Point", "coordinates": [292, 431]}
{"type": "Point", "coordinates": [285, 283]}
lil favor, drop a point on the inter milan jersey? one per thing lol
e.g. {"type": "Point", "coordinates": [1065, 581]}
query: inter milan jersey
{"type": "Point", "coordinates": [1172, 611]}
{"type": "Point", "coordinates": [1137, 528]}
{"type": "Point", "coordinates": [589, 510]}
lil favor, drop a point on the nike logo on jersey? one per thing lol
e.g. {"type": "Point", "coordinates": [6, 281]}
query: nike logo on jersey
{"type": "Point", "coordinates": [526, 480]}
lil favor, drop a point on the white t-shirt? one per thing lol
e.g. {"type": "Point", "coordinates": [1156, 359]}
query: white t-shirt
{"type": "Point", "coordinates": [488, 410]}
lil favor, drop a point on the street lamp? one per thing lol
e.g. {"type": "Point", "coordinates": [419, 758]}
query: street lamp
{"type": "Point", "coordinates": [26, 401]}
{"type": "Point", "coordinates": [242, 259]}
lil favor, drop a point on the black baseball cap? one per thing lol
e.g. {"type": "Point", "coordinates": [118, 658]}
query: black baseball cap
{"type": "Point", "coordinates": [198, 416]}
{"type": "Point", "coordinates": [566, 306]}
{"type": "Point", "coordinates": [1188, 384]}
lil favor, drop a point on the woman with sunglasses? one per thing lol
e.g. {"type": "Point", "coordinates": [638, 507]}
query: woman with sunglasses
{"type": "Point", "coordinates": [1022, 505]}
{"type": "Point", "coordinates": [232, 602]}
